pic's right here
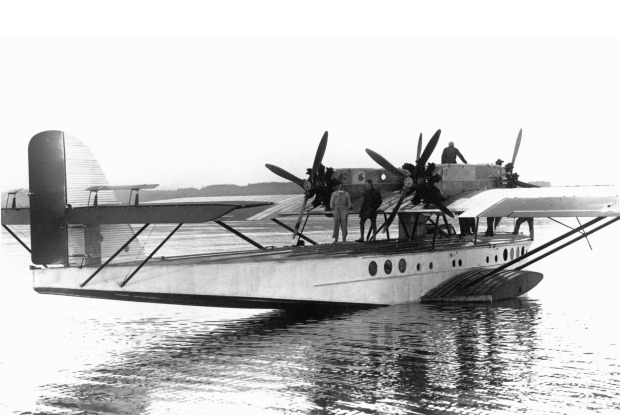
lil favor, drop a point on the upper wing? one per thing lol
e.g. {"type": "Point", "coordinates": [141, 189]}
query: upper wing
{"type": "Point", "coordinates": [579, 201]}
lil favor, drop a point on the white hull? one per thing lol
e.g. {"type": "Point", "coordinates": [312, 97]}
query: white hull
{"type": "Point", "coordinates": [335, 277]}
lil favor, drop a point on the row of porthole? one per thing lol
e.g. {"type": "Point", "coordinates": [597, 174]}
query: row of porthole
{"type": "Point", "coordinates": [512, 254]}
{"type": "Point", "coordinates": [387, 267]}
{"type": "Point", "coordinates": [402, 264]}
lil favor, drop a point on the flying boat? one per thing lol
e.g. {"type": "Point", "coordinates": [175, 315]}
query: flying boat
{"type": "Point", "coordinates": [85, 242]}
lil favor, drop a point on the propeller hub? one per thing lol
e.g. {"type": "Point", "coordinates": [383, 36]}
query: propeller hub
{"type": "Point", "coordinates": [306, 185]}
{"type": "Point", "coordinates": [408, 182]}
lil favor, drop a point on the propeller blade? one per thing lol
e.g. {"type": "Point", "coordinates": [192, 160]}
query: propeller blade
{"type": "Point", "coordinates": [430, 147]}
{"type": "Point", "coordinates": [419, 147]}
{"type": "Point", "coordinates": [428, 150]}
{"type": "Point", "coordinates": [517, 145]}
{"type": "Point", "coordinates": [301, 214]}
{"type": "Point", "coordinates": [394, 212]}
{"type": "Point", "coordinates": [285, 175]}
{"type": "Point", "coordinates": [384, 163]}
{"type": "Point", "coordinates": [443, 208]}
{"type": "Point", "coordinates": [320, 152]}
{"type": "Point", "coordinates": [523, 184]}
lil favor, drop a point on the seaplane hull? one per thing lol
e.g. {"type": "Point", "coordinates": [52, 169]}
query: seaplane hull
{"type": "Point", "coordinates": [343, 274]}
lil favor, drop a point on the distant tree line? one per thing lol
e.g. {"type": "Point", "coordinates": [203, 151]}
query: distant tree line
{"type": "Point", "coordinates": [266, 188]}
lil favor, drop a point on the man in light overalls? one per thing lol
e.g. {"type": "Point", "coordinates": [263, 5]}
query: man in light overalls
{"type": "Point", "coordinates": [340, 204]}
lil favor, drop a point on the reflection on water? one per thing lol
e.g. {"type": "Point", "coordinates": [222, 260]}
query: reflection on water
{"type": "Point", "coordinates": [541, 355]}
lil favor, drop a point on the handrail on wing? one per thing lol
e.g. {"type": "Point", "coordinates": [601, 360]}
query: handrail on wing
{"type": "Point", "coordinates": [130, 187]}
{"type": "Point", "coordinates": [12, 192]}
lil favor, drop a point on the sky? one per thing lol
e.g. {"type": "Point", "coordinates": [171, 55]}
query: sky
{"type": "Point", "coordinates": [191, 112]}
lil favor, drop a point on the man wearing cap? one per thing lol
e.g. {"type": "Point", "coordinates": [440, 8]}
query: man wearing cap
{"type": "Point", "coordinates": [449, 154]}
{"type": "Point", "coordinates": [340, 203]}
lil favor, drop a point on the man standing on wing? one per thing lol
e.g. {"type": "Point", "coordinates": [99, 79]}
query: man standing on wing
{"type": "Point", "coordinates": [340, 203]}
{"type": "Point", "coordinates": [372, 201]}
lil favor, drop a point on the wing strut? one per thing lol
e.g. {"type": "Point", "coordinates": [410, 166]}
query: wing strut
{"type": "Point", "coordinates": [239, 234]}
{"type": "Point", "coordinates": [570, 227]}
{"type": "Point", "coordinates": [385, 222]}
{"type": "Point", "coordinates": [584, 235]}
{"type": "Point", "coordinates": [122, 284]}
{"type": "Point", "coordinates": [16, 238]}
{"type": "Point", "coordinates": [544, 246]}
{"type": "Point", "coordinates": [135, 235]}
{"type": "Point", "coordinates": [288, 228]}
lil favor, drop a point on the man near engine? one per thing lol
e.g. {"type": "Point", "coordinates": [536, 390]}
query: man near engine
{"type": "Point", "coordinates": [372, 201]}
{"type": "Point", "coordinates": [340, 204]}
{"type": "Point", "coordinates": [450, 153]}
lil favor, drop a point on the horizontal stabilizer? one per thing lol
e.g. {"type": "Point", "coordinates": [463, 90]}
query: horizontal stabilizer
{"type": "Point", "coordinates": [15, 216]}
{"type": "Point", "coordinates": [154, 213]}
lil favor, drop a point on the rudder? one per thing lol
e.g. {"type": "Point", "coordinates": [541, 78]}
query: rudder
{"type": "Point", "coordinates": [48, 198]}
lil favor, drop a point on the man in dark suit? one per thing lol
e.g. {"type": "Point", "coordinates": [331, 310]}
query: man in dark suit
{"type": "Point", "coordinates": [372, 201]}
{"type": "Point", "coordinates": [449, 154]}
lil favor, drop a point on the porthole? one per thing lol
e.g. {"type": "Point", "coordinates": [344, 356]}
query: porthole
{"type": "Point", "coordinates": [505, 254]}
{"type": "Point", "coordinates": [372, 268]}
{"type": "Point", "coordinates": [512, 253]}
{"type": "Point", "coordinates": [495, 258]}
{"type": "Point", "coordinates": [460, 263]}
{"type": "Point", "coordinates": [487, 260]}
{"type": "Point", "coordinates": [387, 267]}
{"type": "Point", "coordinates": [453, 263]}
{"type": "Point", "coordinates": [402, 265]}
{"type": "Point", "coordinates": [430, 265]}
{"type": "Point", "coordinates": [418, 267]}
{"type": "Point", "coordinates": [383, 177]}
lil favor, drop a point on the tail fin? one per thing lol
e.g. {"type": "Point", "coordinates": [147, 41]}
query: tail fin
{"type": "Point", "coordinates": [48, 198]}
{"type": "Point", "coordinates": [61, 167]}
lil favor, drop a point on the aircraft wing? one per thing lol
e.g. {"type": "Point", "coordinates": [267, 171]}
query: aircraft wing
{"type": "Point", "coordinates": [157, 212]}
{"type": "Point", "coordinates": [578, 201]}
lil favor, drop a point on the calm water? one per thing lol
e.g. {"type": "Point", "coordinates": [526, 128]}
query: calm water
{"type": "Point", "coordinates": [556, 351]}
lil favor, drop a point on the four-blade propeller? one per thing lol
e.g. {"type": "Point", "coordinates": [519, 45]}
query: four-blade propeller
{"type": "Point", "coordinates": [308, 186]}
{"type": "Point", "coordinates": [419, 182]}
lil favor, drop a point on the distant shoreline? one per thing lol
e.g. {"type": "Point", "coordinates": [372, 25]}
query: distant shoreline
{"type": "Point", "coordinates": [266, 188]}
